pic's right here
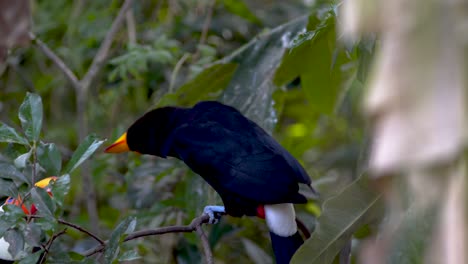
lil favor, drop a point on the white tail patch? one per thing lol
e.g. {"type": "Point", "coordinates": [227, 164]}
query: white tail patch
{"type": "Point", "coordinates": [281, 219]}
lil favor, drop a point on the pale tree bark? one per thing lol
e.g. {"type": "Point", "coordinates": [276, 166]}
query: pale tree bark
{"type": "Point", "coordinates": [417, 101]}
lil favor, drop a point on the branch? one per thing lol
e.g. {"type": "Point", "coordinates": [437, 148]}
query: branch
{"type": "Point", "coordinates": [49, 244]}
{"type": "Point", "coordinates": [79, 228]}
{"type": "Point", "coordinates": [74, 226]}
{"type": "Point", "coordinates": [195, 225]}
{"type": "Point", "coordinates": [57, 60]}
{"type": "Point", "coordinates": [103, 51]}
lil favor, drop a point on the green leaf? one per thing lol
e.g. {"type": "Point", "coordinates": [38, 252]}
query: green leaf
{"type": "Point", "coordinates": [204, 86]}
{"type": "Point", "coordinates": [9, 135]}
{"type": "Point", "coordinates": [30, 115]}
{"type": "Point", "coordinates": [16, 241]}
{"type": "Point", "coordinates": [239, 8]}
{"type": "Point", "coordinates": [113, 247]}
{"type": "Point", "coordinates": [321, 64]}
{"type": "Point", "coordinates": [49, 158]}
{"type": "Point", "coordinates": [342, 215]}
{"type": "Point", "coordinates": [33, 234]}
{"type": "Point", "coordinates": [129, 256]}
{"type": "Point", "coordinates": [8, 171]}
{"type": "Point", "coordinates": [7, 188]}
{"type": "Point", "coordinates": [60, 189]}
{"type": "Point", "coordinates": [43, 202]}
{"type": "Point", "coordinates": [32, 258]}
{"type": "Point", "coordinates": [256, 254]}
{"type": "Point", "coordinates": [20, 162]}
{"type": "Point", "coordinates": [89, 145]}
{"type": "Point", "coordinates": [251, 87]}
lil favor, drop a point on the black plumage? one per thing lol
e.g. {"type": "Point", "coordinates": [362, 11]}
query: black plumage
{"type": "Point", "coordinates": [241, 161]}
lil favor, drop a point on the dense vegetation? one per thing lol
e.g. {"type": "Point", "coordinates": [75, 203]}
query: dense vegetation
{"type": "Point", "coordinates": [280, 63]}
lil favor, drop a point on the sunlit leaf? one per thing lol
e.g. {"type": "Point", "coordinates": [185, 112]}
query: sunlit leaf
{"type": "Point", "coordinates": [204, 86]}
{"type": "Point", "coordinates": [49, 158]}
{"type": "Point", "coordinates": [9, 134]}
{"type": "Point", "coordinates": [89, 145]}
{"type": "Point", "coordinates": [342, 215]}
{"type": "Point", "coordinates": [30, 115]}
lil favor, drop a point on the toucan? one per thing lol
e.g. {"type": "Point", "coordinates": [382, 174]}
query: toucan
{"type": "Point", "coordinates": [252, 173]}
{"type": "Point", "coordinates": [5, 256]}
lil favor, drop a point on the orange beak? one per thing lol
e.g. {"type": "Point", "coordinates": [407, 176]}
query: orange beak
{"type": "Point", "coordinates": [119, 146]}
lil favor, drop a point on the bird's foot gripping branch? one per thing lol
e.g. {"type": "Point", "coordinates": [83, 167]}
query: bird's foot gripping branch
{"type": "Point", "coordinates": [30, 219]}
{"type": "Point", "coordinates": [215, 212]}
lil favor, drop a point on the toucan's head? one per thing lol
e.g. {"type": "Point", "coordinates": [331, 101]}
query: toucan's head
{"type": "Point", "coordinates": [148, 134]}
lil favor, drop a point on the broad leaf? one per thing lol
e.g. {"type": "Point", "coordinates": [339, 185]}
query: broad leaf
{"type": "Point", "coordinates": [8, 171]}
{"type": "Point", "coordinates": [113, 246]}
{"type": "Point", "coordinates": [30, 115]}
{"type": "Point", "coordinates": [129, 256]}
{"type": "Point", "coordinates": [251, 88]}
{"type": "Point", "coordinates": [89, 145]}
{"type": "Point", "coordinates": [9, 134]}
{"type": "Point", "coordinates": [16, 241]}
{"type": "Point", "coordinates": [20, 162]}
{"type": "Point", "coordinates": [49, 158]}
{"type": "Point", "coordinates": [43, 202]}
{"type": "Point", "coordinates": [60, 189]}
{"type": "Point", "coordinates": [7, 188]}
{"type": "Point", "coordinates": [319, 62]}
{"type": "Point", "coordinates": [33, 234]}
{"type": "Point", "coordinates": [342, 215]}
{"type": "Point", "coordinates": [204, 86]}
{"type": "Point", "coordinates": [32, 258]}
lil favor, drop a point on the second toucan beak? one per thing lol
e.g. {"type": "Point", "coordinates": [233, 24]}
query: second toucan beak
{"type": "Point", "coordinates": [119, 146]}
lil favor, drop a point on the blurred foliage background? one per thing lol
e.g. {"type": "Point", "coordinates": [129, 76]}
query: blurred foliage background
{"type": "Point", "coordinates": [280, 62]}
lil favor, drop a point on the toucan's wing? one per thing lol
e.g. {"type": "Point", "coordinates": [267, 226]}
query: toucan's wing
{"type": "Point", "coordinates": [234, 155]}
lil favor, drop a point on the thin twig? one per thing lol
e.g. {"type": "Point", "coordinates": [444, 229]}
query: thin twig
{"type": "Point", "coordinates": [103, 51]}
{"type": "Point", "coordinates": [57, 60]}
{"type": "Point", "coordinates": [79, 228]}
{"type": "Point", "coordinates": [196, 222]}
{"type": "Point", "coordinates": [206, 27]}
{"type": "Point", "coordinates": [176, 71]}
{"type": "Point", "coordinates": [74, 226]}
{"type": "Point", "coordinates": [49, 244]}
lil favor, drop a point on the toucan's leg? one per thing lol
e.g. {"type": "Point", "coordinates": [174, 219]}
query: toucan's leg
{"type": "Point", "coordinates": [214, 212]}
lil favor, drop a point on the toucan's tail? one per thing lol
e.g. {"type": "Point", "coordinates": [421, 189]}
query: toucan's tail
{"type": "Point", "coordinates": [285, 247]}
{"type": "Point", "coordinates": [285, 237]}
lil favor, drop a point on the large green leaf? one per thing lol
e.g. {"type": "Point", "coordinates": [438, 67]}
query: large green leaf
{"type": "Point", "coordinates": [30, 115]}
{"type": "Point", "coordinates": [342, 215]}
{"type": "Point", "coordinates": [320, 63]}
{"type": "Point", "coordinates": [9, 134]}
{"type": "Point", "coordinates": [49, 158]}
{"type": "Point", "coordinates": [204, 86]}
{"type": "Point", "coordinates": [89, 145]}
{"type": "Point", "coordinates": [112, 248]}
{"type": "Point", "coordinates": [16, 240]}
{"type": "Point", "coordinates": [252, 87]}
{"type": "Point", "coordinates": [8, 171]}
